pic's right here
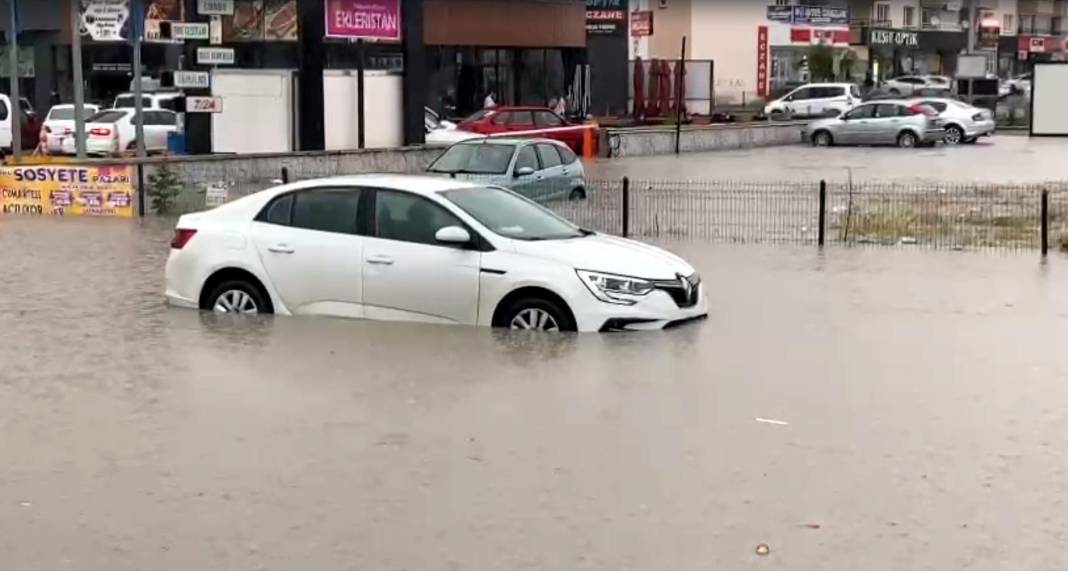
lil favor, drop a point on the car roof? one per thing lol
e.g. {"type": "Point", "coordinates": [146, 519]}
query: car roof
{"type": "Point", "coordinates": [885, 101]}
{"type": "Point", "coordinates": [508, 141]}
{"type": "Point", "coordinates": [520, 108]}
{"type": "Point", "coordinates": [418, 184]}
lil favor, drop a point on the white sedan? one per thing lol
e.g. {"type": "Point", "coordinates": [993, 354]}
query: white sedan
{"type": "Point", "coordinates": [60, 123]}
{"type": "Point", "coordinates": [413, 248]}
{"type": "Point", "coordinates": [113, 131]}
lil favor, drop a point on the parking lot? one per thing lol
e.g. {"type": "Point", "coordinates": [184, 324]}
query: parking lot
{"type": "Point", "coordinates": [879, 409]}
{"type": "Point", "coordinates": [1003, 158]}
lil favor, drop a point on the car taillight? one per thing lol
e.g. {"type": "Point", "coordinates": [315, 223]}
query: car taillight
{"type": "Point", "coordinates": [182, 236]}
{"type": "Point", "coordinates": [98, 132]}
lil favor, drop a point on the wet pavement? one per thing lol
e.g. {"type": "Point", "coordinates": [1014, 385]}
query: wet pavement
{"type": "Point", "coordinates": [999, 159]}
{"type": "Point", "coordinates": [923, 395]}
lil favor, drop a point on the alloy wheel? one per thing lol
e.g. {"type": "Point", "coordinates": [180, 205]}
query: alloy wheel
{"type": "Point", "coordinates": [954, 136]}
{"type": "Point", "coordinates": [236, 301]}
{"type": "Point", "coordinates": [534, 319]}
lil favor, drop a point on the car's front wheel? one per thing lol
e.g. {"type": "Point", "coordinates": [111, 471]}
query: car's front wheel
{"type": "Point", "coordinates": [954, 135]}
{"type": "Point", "coordinates": [537, 314]}
{"type": "Point", "coordinates": [238, 297]}
{"type": "Point", "coordinates": [577, 194]}
{"type": "Point", "coordinates": [907, 140]}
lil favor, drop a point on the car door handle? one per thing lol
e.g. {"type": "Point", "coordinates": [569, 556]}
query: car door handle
{"type": "Point", "coordinates": [280, 249]}
{"type": "Point", "coordinates": [380, 260]}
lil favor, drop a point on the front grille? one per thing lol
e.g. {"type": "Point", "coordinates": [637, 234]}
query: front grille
{"type": "Point", "coordinates": [684, 294]}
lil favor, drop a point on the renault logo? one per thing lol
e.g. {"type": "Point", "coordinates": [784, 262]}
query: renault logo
{"type": "Point", "coordinates": [687, 287]}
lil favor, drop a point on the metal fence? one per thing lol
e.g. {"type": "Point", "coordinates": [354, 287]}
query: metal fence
{"type": "Point", "coordinates": [955, 216]}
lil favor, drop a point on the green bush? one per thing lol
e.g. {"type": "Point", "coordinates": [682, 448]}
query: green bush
{"type": "Point", "coordinates": [163, 188]}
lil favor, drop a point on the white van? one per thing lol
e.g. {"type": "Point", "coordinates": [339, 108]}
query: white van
{"type": "Point", "coordinates": [815, 100]}
{"type": "Point", "coordinates": [149, 100]}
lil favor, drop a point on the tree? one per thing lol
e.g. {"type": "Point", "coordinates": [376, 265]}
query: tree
{"type": "Point", "coordinates": [821, 63]}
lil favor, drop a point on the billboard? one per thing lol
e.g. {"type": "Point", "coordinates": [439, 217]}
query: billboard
{"type": "Point", "coordinates": [65, 190]}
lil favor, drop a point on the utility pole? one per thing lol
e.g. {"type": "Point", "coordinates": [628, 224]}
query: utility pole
{"type": "Point", "coordinates": [972, 25]}
{"type": "Point", "coordinates": [79, 82]}
{"type": "Point", "coordinates": [137, 28]}
{"type": "Point", "coordinates": [13, 73]}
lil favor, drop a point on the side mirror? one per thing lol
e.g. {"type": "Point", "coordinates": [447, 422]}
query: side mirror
{"type": "Point", "coordinates": [453, 235]}
{"type": "Point", "coordinates": [523, 171]}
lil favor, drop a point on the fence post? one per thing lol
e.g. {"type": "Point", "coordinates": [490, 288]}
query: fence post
{"type": "Point", "coordinates": [626, 207]}
{"type": "Point", "coordinates": [1045, 222]}
{"type": "Point", "coordinates": [823, 212]}
{"type": "Point", "coordinates": [140, 189]}
{"type": "Point", "coordinates": [285, 175]}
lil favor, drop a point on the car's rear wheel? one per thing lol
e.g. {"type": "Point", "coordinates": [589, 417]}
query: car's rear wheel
{"type": "Point", "coordinates": [907, 140]}
{"type": "Point", "coordinates": [238, 297]}
{"type": "Point", "coordinates": [537, 314]}
{"type": "Point", "coordinates": [954, 135]}
{"type": "Point", "coordinates": [822, 139]}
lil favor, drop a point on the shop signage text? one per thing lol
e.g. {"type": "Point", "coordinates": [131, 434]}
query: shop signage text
{"type": "Point", "coordinates": [606, 17]}
{"type": "Point", "coordinates": [215, 7]}
{"type": "Point", "coordinates": [192, 79]}
{"type": "Point", "coordinates": [894, 38]}
{"type": "Point", "coordinates": [203, 104]}
{"type": "Point", "coordinates": [762, 61]}
{"type": "Point", "coordinates": [808, 15]}
{"type": "Point", "coordinates": [105, 20]}
{"type": "Point", "coordinates": [191, 31]}
{"type": "Point", "coordinates": [641, 23]}
{"type": "Point", "coordinates": [215, 56]}
{"type": "Point", "coordinates": [367, 19]}
{"type": "Point", "coordinates": [61, 190]}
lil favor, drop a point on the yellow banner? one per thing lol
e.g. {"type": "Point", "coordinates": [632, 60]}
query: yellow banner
{"type": "Point", "coordinates": [61, 190]}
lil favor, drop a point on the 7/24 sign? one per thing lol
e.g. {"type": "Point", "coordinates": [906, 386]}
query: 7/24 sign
{"type": "Point", "coordinates": [203, 104]}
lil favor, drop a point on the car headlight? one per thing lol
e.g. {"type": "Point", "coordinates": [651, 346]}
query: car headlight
{"type": "Point", "coordinates": [612, 288]}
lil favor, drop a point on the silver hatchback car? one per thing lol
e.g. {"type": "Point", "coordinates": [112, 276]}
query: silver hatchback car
{"type": "Point", "coordinates": [885, 122]}
{"type": "Point", "coordinates": [539, 169]}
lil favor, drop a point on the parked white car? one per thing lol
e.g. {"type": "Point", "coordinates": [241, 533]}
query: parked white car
{"type": "Point", "coordinates": [149, 100]}
{"type": "Point", "coordinates": [428, 249]}
{"type": "Point", "coordinates": [907, 85]}
{"type": "Point", "coordinates": [59, 123]}
{"type": "Point", "coordinates": [112, 132]}
{"type": "Point", "coordinates": [963, 123]}
{"type": "Point", "coordinates": [815, 100]}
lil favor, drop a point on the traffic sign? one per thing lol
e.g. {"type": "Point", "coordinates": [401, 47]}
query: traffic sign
{"type": "Point", "coordinates": [203, 105]}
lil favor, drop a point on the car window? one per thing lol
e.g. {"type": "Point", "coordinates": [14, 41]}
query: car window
{"type": "Point", "coordinates": [166, 118]}
{"type": "Point", "coordinates": [279, 211]}
{"type": "Point", "coordinates": [521, 118]}
{"type": "Point", "coordinates": [3, 110]}
{"type": "Point", "coordinates": [527, 158]}
{"type": "Point", "coordinates": [861, 112]}
{"type": "Point", "coordinates": [854, 91]}
{"type": "Point", "coordinates": [937, 105]}
{"type": "Point", "coordinates": [884, 110]}
{"type": "Point", "coordinates": [501, 118]}
{"type": "Point", "coordinates": [168, 103]}
{"type": "Point", "coordinates": [409, 218]}
{"type": "Point", "coordinates": [474, 158]}
{"type": "Point", "coordinates": [547, 119]}
{"type": "Point", "coordinates": [106, 117]}
{"type": "Point", "coordinates": [802, 94]}
{"type": "Point", "coordinates": [548, 155]}
{"type": "Point", "coordinates": [326, 210]}
{"type": "Point", "coordinates": [127, 101]}
{"type": "Point", "coordinates": [151, 118]}
{"type": "Point", "coordinates": [828, 92]}
{"type": "Point", "coordinates": [567, 155]}
{"type": "Point", "coordinates": [510, 215]}
{"type": "Point", "coordinates": [479, 115]}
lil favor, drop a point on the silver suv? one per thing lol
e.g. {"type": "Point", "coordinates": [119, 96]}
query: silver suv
{"type": "Point", "coordinates": [887, 122]}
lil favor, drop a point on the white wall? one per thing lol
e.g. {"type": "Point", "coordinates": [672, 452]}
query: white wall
{"type": "Point", "coordinates": [257, 114]}
{"type": "Point", "coordinates": [727, 33]}
{"type": "Point", "coordinates": [382, 109]}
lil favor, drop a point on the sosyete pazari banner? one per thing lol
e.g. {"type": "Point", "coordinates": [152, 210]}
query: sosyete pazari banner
{"type": "Point", "coordinates": [58, 190]}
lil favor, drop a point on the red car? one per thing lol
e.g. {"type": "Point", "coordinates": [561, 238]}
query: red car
{"type": "Point", "coordinates": [513, 119]}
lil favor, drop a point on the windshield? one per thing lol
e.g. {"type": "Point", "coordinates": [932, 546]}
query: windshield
{"type": "Point", "coordinates": [67, 113]}
{"type": "Point", "coordinates": [128, 101]}
{"type": "Point", "coordinates": [475, 158]}
{"type": "Point", "coordinates": [106, 117]}
{"type": "Point", "coordinates": [511, 215]}
{"type": "Point", "coordinates": [479, 115]}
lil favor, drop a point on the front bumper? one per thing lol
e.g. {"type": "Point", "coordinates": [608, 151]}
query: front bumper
{"type": "Point", "coordinates": [655, 311]}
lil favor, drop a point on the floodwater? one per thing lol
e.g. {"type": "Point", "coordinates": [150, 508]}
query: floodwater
{"type": "Point", "coordinates": [1008, 159]}
{"type": "Point", "coordinates": [919, 400]}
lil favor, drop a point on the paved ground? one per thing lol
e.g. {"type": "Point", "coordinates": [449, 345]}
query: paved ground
{"type": "Point", "coordinates": [1003, 158]}
{"type": "Point", "coordinates": [924, 394]}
